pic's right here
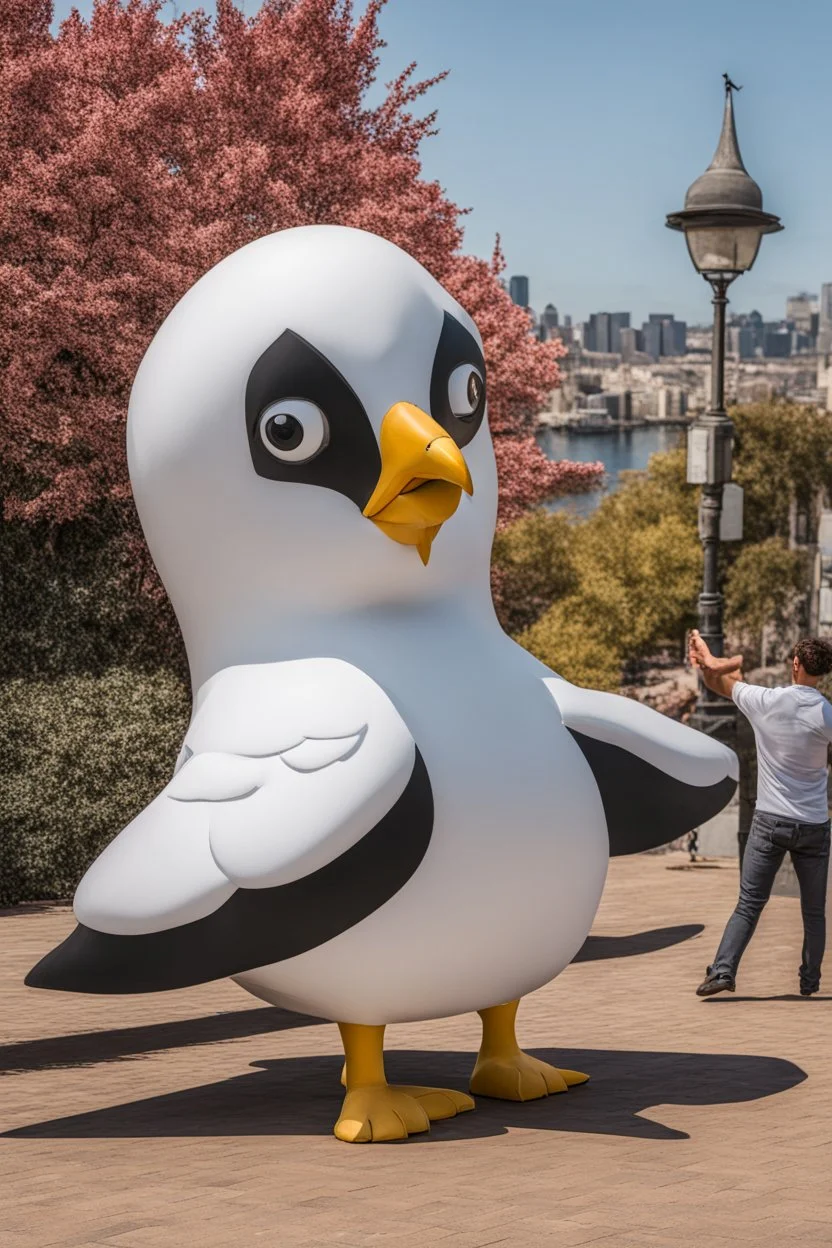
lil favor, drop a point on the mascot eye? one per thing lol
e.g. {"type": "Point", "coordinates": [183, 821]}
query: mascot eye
{"type": "Point", "coordinates": [294, 430]}
{"type": "Point", "coordinates": [466, 391]}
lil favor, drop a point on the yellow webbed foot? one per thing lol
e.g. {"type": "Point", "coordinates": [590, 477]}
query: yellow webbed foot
{"type": "Point", "coordinates": [520, 1077]}
{"type": "Point", "coordinates": [504, 1071]}
{"type": "Point", "coordinates": [377, 1113]}
{"type": "Point", "coordinates": [373, 1110]}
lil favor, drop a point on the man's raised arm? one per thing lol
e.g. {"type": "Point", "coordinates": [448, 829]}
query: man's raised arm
{"type": "Point", "coordinates": [719, 675]}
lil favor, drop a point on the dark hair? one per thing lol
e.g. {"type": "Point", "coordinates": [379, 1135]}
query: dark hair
{"type": "Point", "coordinates": [815, 655]}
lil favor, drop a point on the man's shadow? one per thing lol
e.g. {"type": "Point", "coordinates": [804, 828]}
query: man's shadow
{"type": "Point", "coordinates": [722, 998]}
{"type": "Point", "coordinates": [302, 1096]}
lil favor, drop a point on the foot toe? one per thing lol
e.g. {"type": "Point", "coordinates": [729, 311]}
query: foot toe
{"type": "Point", "coordinates": [573, 1078]}
{"type": "Point", "coordinates": [439, 1103]}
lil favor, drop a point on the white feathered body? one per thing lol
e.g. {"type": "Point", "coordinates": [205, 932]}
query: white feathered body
{"type": "Point", "coordinates": [511, 880]}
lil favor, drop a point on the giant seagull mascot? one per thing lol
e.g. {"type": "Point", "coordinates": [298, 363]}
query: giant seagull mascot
{"type": "Point", "coordinates": [384, 810]}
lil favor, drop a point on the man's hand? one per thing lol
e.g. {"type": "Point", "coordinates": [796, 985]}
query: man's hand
{"type": "Point", "coordinates": [701, 657]}
{"type": "Point", "coordinates": [698, 651]}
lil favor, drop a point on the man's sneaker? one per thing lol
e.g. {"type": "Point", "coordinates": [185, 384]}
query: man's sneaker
{"type": "Point", "coordinates": [808, 992]}
{"type": "Point", "coordinates": [714, 982]}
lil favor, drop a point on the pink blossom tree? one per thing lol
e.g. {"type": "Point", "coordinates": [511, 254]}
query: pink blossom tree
{"type": "Point", "coordinates": [138, 152]}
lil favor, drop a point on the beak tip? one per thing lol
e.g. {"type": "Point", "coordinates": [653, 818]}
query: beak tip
{"type": "Point", "coordinates": [424, 544]}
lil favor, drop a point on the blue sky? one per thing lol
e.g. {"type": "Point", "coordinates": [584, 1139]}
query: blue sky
{"type": "Point", "coordinates": [572, 128]}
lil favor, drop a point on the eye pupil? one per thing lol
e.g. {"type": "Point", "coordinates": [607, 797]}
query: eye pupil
{"type": "Point", "coordinates": [293, 430]}
{"type": "Point", "coordinates": [466, 393]}
{"type": "Point", "coordinates": [284, 431]}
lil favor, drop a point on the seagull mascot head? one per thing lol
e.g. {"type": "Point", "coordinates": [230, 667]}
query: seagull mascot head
{"type": "Point", "coordinates": [307, 433]}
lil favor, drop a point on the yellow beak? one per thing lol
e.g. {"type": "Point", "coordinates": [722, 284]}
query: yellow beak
{"type": "Point", "coordinates": [422, 478]}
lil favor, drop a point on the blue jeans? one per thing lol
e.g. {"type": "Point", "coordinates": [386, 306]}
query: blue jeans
{"type": "Point", "coordinates": [770, 838]}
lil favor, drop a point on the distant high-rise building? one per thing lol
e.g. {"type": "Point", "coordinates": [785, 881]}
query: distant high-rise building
{"type": "Point", "coordinates": [825, 318]}
{"type": "Point", "coordinates": [630, 342]}
{"type": "Point", "coordinates": [567, 321]}
{"type": "Point", "coordinates": [618, 321]}
{"type": "Point", "coordinates": [755, 324]}
{"type": "Point", "coordinates": [678, 337]}
{"type": "Point", "coordinates": [825, 306]}
{"type": "Point", "coordinates": [518, 288]}
{"type": "Point", "coordinates": [653, 333]}
{"type": "Point", "coordinates": [799, 309]}
{"type": "Point", "coordinates": [664, 335]}
{"type": "Point", "coordinates": [742, 342]}
{"type": "Point", "coordinates": [777, 342]}
{"type": "Point", "coordinates": [603, 331]}
{"type": "Point", "coordinates": [565, 333]}
{"type": "Point", "coordinates": [549, 319]}
{"type": "Point", "coordinates": [651, 336]}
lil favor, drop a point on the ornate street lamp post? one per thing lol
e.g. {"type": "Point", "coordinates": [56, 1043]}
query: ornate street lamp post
{"type": "Point", "coordinates": [723, 222]}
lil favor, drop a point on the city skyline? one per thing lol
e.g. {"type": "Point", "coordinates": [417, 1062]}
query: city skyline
{"type": "Point", "coordinates": [573, 132]}
{"type": "Point", "coordinates": [807, 321]}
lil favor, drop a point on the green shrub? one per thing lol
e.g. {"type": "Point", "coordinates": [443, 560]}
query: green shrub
{"type": "Point", "coordinates": [83, 755]}
{"type": "Point", "coordinates": [532, 567]}
{"type": "Point", "coordinates": [765, 589]}
{"type": "Point", "coordinates": [82, 598]}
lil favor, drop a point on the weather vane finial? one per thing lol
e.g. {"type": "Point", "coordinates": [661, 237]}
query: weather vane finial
{"type": "Point", "coordinates": [729, 85]}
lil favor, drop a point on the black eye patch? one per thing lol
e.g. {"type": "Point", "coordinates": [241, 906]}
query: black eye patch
{"type": "Point", "coordinates": [292, 369]}
{"type": "Point", "coordinates": [456, 346]}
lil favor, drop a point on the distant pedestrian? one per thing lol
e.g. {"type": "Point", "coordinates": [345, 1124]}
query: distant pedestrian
{"type": "Point", "coordinates": [793, 730]}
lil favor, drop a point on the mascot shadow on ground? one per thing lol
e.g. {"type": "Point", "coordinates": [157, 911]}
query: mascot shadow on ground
{"type": "Point", "coordinates": [384, 810]}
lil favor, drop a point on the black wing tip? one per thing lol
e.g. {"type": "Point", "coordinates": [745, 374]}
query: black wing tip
{"type": "Point", "coordinates": [42, 974]}
{"type": "Point", "coordinates": [49, 974]}
{"type": "Point", "coordinates": [100, 964]}
{"type": "Point", "coordinates": [644, 806]}
{"type": "Point", "coordinates": [66, 968]}
{"type": "Point", "coordinates": [702, 804]}
{"type": "Point", "coordinates": [254, 927]}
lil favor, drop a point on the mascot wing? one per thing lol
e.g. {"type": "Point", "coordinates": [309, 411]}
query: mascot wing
{"type": "Point", "coordinates": [658, 779]}
{"type": "Point", "coordinates": [298, 806]}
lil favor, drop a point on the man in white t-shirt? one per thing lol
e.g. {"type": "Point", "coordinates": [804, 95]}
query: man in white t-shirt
{"type": "Point", "coordinates": [793, 731]}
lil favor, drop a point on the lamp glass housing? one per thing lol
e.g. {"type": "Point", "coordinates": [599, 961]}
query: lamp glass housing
{"type": "Point", "coordinates": [723, 248]}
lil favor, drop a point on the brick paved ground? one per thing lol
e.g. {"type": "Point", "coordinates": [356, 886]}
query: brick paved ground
{"type": "Point", "coordinates": [197, 1118]}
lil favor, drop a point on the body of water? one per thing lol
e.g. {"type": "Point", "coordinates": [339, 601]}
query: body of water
{"type": "Point", "coordinates": [618, 450]}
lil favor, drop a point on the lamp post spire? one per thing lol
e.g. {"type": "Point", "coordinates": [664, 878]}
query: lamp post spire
{"type": "Point", "coordinates": [727, 155]}
{"type": "Point", "coordinates": [726, 183]}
